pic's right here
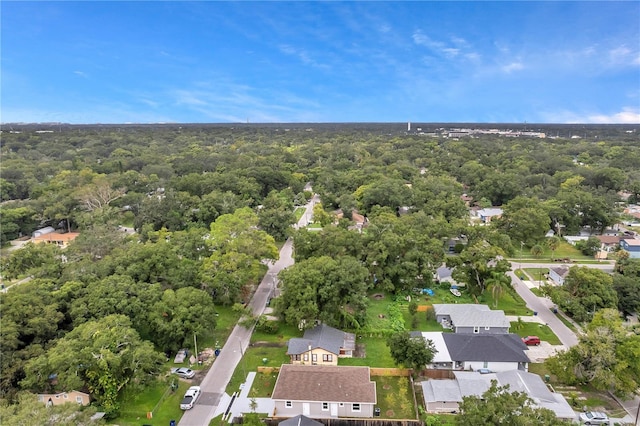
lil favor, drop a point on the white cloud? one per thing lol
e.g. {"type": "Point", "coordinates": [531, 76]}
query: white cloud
{"type": "Point", "coordinates": [81, 74]}
{"type": "Point", "coordinates": [302, 55]}
{"type": "Point", "coordinates": [513, 66]}
{"type": "Point", "coordinates": [627, 115]}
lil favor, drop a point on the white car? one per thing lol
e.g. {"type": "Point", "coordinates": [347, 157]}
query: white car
{"type": "Point", "coordinates": [190, 398]}
{"type": "Point", "coordinates": [594, 418]}
{"type": "Point", "coordinates": [185, 373]}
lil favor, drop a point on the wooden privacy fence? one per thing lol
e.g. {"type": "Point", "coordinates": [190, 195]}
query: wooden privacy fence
{"type": "Point", "coordinates": [377, 371]}
{"type": "Point", "coordinates": [352, 422]}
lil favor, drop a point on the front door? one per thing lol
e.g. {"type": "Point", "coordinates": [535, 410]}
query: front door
{"type": "Point", "coordinates": [306, 410]}
{"type": "Point", "coordinates": [334, 409]}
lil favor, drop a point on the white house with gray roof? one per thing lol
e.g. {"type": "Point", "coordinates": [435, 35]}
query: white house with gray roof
{"type": "Point", "coordinates": [445, 395]}
{"type": "Point", "coordinates": [470, 318]}
{"type": "Point", "coordinates": [321, 345]}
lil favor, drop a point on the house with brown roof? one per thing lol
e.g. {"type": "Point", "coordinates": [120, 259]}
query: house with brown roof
{"type": "Point", "coordinates": [323, 391]}
{"type": "Point", "coordinates": [321, 345]}
{"type": "Point", "coordinates": [608, 243]}
{"type": "Point", "coordinates": [61, 240]}
{"type": "Point", "coordinates": [64, 397]}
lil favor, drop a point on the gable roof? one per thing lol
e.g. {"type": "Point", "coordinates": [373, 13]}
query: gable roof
{"type": "Point", "coordinates": [322, 337]}
{"type": "Point", "coordinates": [326, 383]}
{"type": "Point", "coordinates": [473, 383]}
{"type": "Point", "coordinates": [562, 271]}
{"type": "Point", "coordinates": [471, 315]}
{"type": "Point", "coordinates": [486, 347]}
{"type": "Point", "coordinates": [300, 420]}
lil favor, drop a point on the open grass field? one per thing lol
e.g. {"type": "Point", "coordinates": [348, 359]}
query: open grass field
{"type": "Point", "coordinates": [535, 329]}
{"type": "Point", "coordinates": [158, 398]}
{"type": "Point", "coordinates": [395, 397]}
{"type": "Point", "coordinates": [565, 250]}
{"type": "Point", "coordinates": [253, 357]}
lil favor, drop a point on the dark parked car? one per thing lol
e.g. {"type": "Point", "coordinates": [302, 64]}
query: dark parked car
{"type": "Point", "coordinates": [531, 340]}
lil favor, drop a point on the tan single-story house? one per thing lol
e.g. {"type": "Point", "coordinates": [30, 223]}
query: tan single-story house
{"type": "Point", "coordinates": [324, 391]}
{"type": "Point", "coordinates": [64, 397]}
{"type": "Point", "coordinates": [321, 345]}
{"type": "Point", "coordinates": [61, 240]}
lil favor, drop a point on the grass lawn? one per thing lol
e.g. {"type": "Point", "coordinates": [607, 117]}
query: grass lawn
{"type": "Point", "coordinates": [535, 329]}
{"type": "Point", "coordinates": [282, 336]}
{"type": "Point", "coordinates": [299, 212]}
{"type": "Point", "coordinates": [314, 226]}
{"type": "Point", "coordinates": [536, 274]}
{"type": "Point", "coordinates": [225, 321]}
{"type": "Point", "coordinates": [510, 302]}
{"type": "Point", "coordinates": [253, 357]}
{"type": "Point", "coordinates": [377, 353]}
{"type": "Point", "coordinates": [565, 250]}
{"type": "Point", "coordinates": [395, 398]}
{"type": "Point", "coordinates": [159, 398]}
{"type": "Point", "coordinates": [263, 385]}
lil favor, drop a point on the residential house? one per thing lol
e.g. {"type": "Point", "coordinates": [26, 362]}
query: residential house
{"type": "Point", "coordinates": [443, 275]}
{"type": "Point", "coordinates": [324, 391]}
{"type": "Point", "coordinates": [558, 274]}
{"type": "Point", "coordinates": [321, 345]}
{"type": "Point", "coordinates": [470, 318]}
{"type": "Point", "coordinates": [488, 214]}
{"type": "Point", "coordinates": [609, 243]}
{"type": "Point", "coordinates": [631, 246]}
{"type": "Point", "coordinates": [495, 352]}
{"type": "Point", "coordinates": [61, 240]}
{"type": "Point", "coordinates": [43, 231]}
{"type": "Point", "coordinates": [441, 359]}
{"type": "Point", "coordinates": [300, 420]}
{"type": "Point", "coordinates": [446, 395]}
{"type": "Point", "coordinates": [64, 397]}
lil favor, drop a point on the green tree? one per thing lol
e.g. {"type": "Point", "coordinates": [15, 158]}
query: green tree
{"type": "Point", "coordinates": [411, 352]}
{"type": "Point", "coordinates": [498, 283]}
{"type": "Point", "coordinates": [605, 357]}
{"type": "Point", "coordinates": [321, 216]}
{"type": "Point", "coordinates": [498, 406]}
{"type": "Point", "coordinates": [179, 314]}
{"type": "Point", "coordinates": [331, 290]}
{"type": "Point", "coordinates": [476, 263]}
{"type": "Point", "coordinates": [103, 355]}
{"type": "Point", "coordinates": [584, 292]}
{"type": "Point", "coordinates": [536, 251]}
{"type": "Point", "coordinates": [628, 290]}
{"type": "Point", "coordinates": [524, 219]}
{"type": "Point", "coordinates": [27, 410]}
{"type": "Point", "coordinates": [277, 215]}
{"type": "Point", "coordinates": [553, 243]}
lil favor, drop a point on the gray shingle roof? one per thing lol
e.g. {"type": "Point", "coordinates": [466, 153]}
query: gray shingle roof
{"type": "Point", "coordinates": [324, 337]}
{"type": "Point", "coordinates": [471, 315]}
{"type": "Point", "coordinates": [486, 347]}
{"type": "Point", "coordinates": [325, 383]}
{"type": "Point", "coordinates": [300, 420]}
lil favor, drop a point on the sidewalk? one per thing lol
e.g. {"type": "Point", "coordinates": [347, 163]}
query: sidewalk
{"type": "Point", "coordinates": [242, 403]}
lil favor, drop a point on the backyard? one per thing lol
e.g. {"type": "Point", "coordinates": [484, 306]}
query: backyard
{"type": "Point", "coordinates": [158, 398]}
{"type": "Point", "coordinates": [395, 397]}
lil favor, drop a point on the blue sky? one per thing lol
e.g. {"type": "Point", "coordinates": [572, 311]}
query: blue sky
{"type": "Point", "coordinates": [118, 62]}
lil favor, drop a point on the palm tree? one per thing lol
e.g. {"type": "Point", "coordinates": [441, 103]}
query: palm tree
{"type": "Point", "coordinates": [498, 282]}
{"type": "Point", "coordinates": [536, 251]}
{"type": "Point", "coordinates": [553, 243]}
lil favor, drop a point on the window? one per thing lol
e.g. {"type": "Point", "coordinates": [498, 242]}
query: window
{"type": "Point", "coordinates": [296, 357]}
{"type": "Point", "coordinates": [306, 357]}
{"type": "Point", "coordinates": [325, 406]}
{"type": "Point", "coordinates": [314, 358]}
{"type": "Point", "coordinates": [476, 330]}
{"type": "Point", "coordinates": [355, 407]}
{"type": "Point", "coordinates": [288, 404]}
{"type": "Point", "coordinates": [485, 365]}
{"type": "Point", "coordinates": [327, 357]}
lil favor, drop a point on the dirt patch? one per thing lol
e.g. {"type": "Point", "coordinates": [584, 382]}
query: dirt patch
{"type": "Point", "coordinates": [386, 387]}
{"type": "Point", "coordinates": [360, 351]}
{"type": "Point", "coordinates": [377, 296]}
{"type": "Point", "coordinates": [390, 413]}
{"type": "Point", "coordinates": [381, 316]}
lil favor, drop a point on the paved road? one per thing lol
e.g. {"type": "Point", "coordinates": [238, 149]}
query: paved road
{"type": "Point", "coordinates": [219, 375]}
{"type": "Point", "coordinates": [541, 306]}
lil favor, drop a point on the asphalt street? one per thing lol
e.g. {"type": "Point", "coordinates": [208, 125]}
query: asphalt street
{"type": "Point", "coordinates": [215, 382]}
